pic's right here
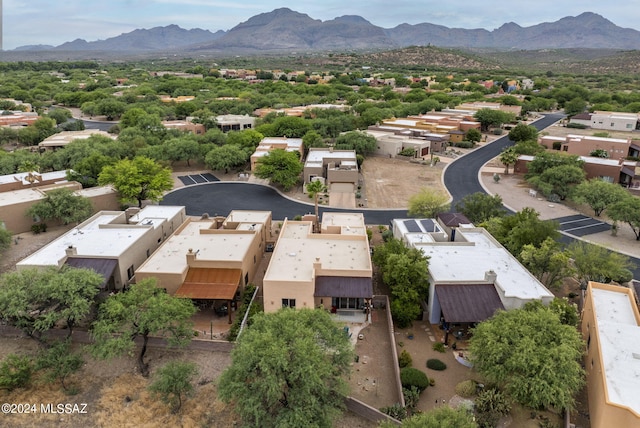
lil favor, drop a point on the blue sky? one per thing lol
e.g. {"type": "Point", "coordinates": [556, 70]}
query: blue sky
{"type": "Point", "coordinates": [52, 22]}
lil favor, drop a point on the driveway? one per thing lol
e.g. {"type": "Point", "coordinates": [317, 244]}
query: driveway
{"type": "Point", "coordinates": [220, 198]}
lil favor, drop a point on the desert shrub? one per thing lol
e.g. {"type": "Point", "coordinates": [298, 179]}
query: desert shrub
{"type": "Point", "coordinates": [15, 372]}
{"type": "Point", "coordinates": [467, 388]}
{"type": "Point", "coordinates": [411, 397]}
{"type": "Point", "coordinates": [439, 347]}
{"type": "Point", "coordinates": [490, 406]}
{"type": "Point", "coordinates": [576, 126]}
{"type": "Point", "coordinates": [464, 144]}
{"type": "Point", "coordinates": [39, 228]}
{"type": "Point", "coordinates": [497, 131]}
{"type": "Point", "coordinates": [297, 218]}
{"type": "Point", "coordinates": [396, 411]}
{"type": "Point", "coordinates": [413, 377]}
{"type": "Point", "coordinates": [387, 235]}
{"type": "Point", "coordinates": [405, 360]}
{"type": "Point", "coordinates": [408, 152]}
{"type": "Point", "coordinates": [436, 364]}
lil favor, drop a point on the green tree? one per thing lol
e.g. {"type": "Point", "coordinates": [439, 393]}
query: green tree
{"type": "Point", "coordinates": [60, 115]}
{"type": "Point", "coordinates": [547, 160]}
{"type": "Point", "coordinates": [599, 195]}
{"type": "Point", "coordinates": [428, 203]}
{"type": "Point", "coordinates": [15, 372]}
{"type": "Point", "coordinates": [225, 157]}
{"type": "Point", "coordinates": [144, 310]}
{"type": "Point", "coordinates": [174, 382]}
{"type": "Point", "coordinates": [314, 189]}
{"type": "Point", "coordinates": [559, 180]}
{"type": "Point", "coordinates": [361, 142]}
{"type": "Point", "coordinates": [35, 301]}
{"type": "Point", "coordinates": [441, 417]}
{"type": "Point", "coordinates": [182, 149]}
{"type": "Point", "coordinates": [596, 263]}
{"type": "Point", "coordinates": [473, 135]}
{"type": "Point", "coordinates": [547, 262]}
{"type": "Point", "coordinates": [508, 157]}
{"type": "Point", "coordinates": [87, 170]}
{"type": "Point", "coordinates": [627, 211]}
{"type": "Point", "coordinates": [490, 118]}
{"type": "Point", "coordinates": [523, 132]}
{"type": "Point", "coordinates": [530, 355]}
{"type": "Point", "coordinates": [5, 238]}
{"type": "Point", "coordinates": [59, 362]}
{"type": "Point", "coordinates": [288, 368]}
{"type": "Point", "coordinates": [575, 106]}
{"type": "Point", "coordinates": [479, 207]}
{"type": "Point", "coordinates": [281, 167]}
{"type": "Point", "coordinates": [522, 228]}
{"type": "Point", "coordinates": [138, 179]}
{"type": "Point", "coordinates": [531, 148]}
{"type": "Point", "coordinates": [63, 205]}
{"type": "Point", "coordinates": [110, 107]}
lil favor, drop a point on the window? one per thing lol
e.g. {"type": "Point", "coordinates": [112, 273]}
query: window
{"type": "Point", "coordinates": [130, 272]}
{"type": "Point", "coordinates": [588, 341]}
{"type": "Point", "coordinates": [254, 259]}
{"type": "Point", "coordinates": [289, 303]}
{"type": "Point", "coordinates": [148, 253]}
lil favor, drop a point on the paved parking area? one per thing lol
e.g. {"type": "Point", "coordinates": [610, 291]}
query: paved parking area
{"type": "Point", "coordinates": [580, 225]}
{"type": "Point", "coordinates": [188, 180]}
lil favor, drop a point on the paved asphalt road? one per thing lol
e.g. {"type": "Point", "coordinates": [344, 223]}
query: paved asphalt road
{"type": "Point", "coordinates": [221, 198]}
{"type": "Point", "coordinates": [461, 178]}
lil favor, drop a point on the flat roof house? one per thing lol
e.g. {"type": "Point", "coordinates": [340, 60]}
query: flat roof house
{"type": "Point", "coordinates": [271, 143]}
{"type": "Point", "coordinates": [210, 258]}
{"type": "Point", "coordinates": [470, 277]}
{"type": "Point", "coordinates": [331, 269]}
{"type": "Point", "coordinates": [335, 166]}
{"type": "Point", "coordinates": [64, 138]}
{"type": "Point", "coordinates": [113, 243]}
{"type": "Point", "coordinates": [611, 328]}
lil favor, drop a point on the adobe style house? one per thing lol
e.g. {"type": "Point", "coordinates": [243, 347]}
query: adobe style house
{"type": "Point", "coordinates": [611, 170]}
{"type": "Point", "coordinates": [272, 143]}
{"type": "Point", "coordinates": [113, 243]}
{"type": "Point", "coordinates": [391, 141]}
{"type": "Point", "coordinates": [185, 126]}
{"type": "Point", "coordinates": [64, 138]}
{"type": "Point", "coordinates": [210, 259]}
{"type": "Point", "coordinates": [611, 330]}
{"type": "Point", "coordinates": [235, 122]}
{"type": "Point", "coordinates": [471, 276]}
{"type": "Point", "coordinates": [583, 145]}
{"type": "Point", "coordinates": [330, 270]}
{"type": "Point", "coordinates": [609, 120]}
{"type": "Point", "coordinates": [479, 105]}
{"type": "Point", "coordinates": [18, 192]}
{"type": "Point", "coordinates": [334, 166]}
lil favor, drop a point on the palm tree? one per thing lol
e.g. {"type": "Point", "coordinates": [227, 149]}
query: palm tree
{"type": "Point", "coordinates": [508, 157]}
{"type": "Point", "coordinates": [314, 188]}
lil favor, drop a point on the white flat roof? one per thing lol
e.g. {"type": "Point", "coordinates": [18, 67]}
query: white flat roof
{"type": "Point", "coordinates": [90, 240]}
{"type": "Point", "coordinates": [469, 261]}
{"type": "Point", "coordinates": [315, 156]}
{"type": "Point", "coordinates": [156, 211]}
{"type": "Point", "coordinates": [601, 139]}
{"type": "Point", "coordinates": [21, 176]}
{"type": "Point", "coordinates": [19, 196]}
{"type": "Point", "coordinates": [619, 335]}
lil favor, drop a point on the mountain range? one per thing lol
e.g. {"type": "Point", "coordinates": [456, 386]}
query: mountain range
{"type": "Point", "coordinates": [284, 30]}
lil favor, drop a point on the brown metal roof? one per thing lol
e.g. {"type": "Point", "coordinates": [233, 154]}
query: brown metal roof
{"type": "Point", "coordinates": [468, 303]}
{"type": "Point", "coordinates": [344, 286]}
{"type": "Point", "coordinates": [104, 267]}
{"type": "Point", "coordinates": [453, 219]}
{"type": "Point", "coordinates": [210, 283]}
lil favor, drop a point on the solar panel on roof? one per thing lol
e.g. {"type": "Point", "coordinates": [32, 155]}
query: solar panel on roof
{"type": "Point", "coordinates": [428, 225]}
{"type": "Point", "coordinates": [412, 226]}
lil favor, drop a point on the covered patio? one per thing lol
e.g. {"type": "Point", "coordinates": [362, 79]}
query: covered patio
{"type": "Point", "coordinates": [209, 285]}
{"type": "Point", "coordinates": [350, 296]}
{"type": "Point", "coordinates": [464, 305]}
{"type": "Point", "coordinates": [104, 267]}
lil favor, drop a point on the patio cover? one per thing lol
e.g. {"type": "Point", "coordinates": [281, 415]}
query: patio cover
{"type": "Point", "coordinates": [104, 267]}
{"type": "Point", "coordinates": [468, 303]}
{"type": "Point", "coordinates": [344, 286]}
{"type": "Point", "coordinates": [210, 283]}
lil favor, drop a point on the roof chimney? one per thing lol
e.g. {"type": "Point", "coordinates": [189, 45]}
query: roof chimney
{"type": "Point", "coordinates": [317, 265]}
{"type": "Point", "coordinates": [490, 276]}
{"type": "Point", "coordinates": [71, 250]}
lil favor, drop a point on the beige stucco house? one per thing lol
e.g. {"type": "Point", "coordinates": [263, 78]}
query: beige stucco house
{"type": "Point", "coordinates": [331, 270]}
{"type": "Point", "coordinates": [333, 166]}
{"type": "Point", "coordinates": [611, 329]}
{"type": "Point", "coordinates": [271, 143]}
{"type": "Point", "coordinates": [210, 258]}
{"type": "Point", "coordinates": [114, 243]}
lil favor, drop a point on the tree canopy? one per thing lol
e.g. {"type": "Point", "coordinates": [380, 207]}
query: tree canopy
{"type": "Point", "coordinates": [138, 179]}
{"type": "Point", "coordinates": [548, 262]}
{"type": "Point", "coordinates": [173, 383]}
{"type": "Point", "coordinates": [428, 203]}
{"type": "Point", "coordinates": [531, 355]}
{"type": "Point", "coordinates": [479, 207]}
{"type": "Point", "coordinates": [489, 118]}
{"type": "Point", "coordinates": [523, 132]}
{"type": "Point", "coordinates": [627, 211]}
{"type": "Point", "coordinates": [223, 158]}
{"type": "Point", "coordinates": [62, 204]}
{"type": "Point", "coordinates": [36, 300]}
{"type": "Point", "coordinates": [599, 194]}
{"type": "Point", "coordinates": [596, 263]}
{"type": "Point", "coordinates": [141, 311]}
{"type": "Point", "coordinates": [441, 417]}
{"type": "Point", "coordinates": [281, 167]}
{"type": "Point", "coordinates": [288, 368]}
